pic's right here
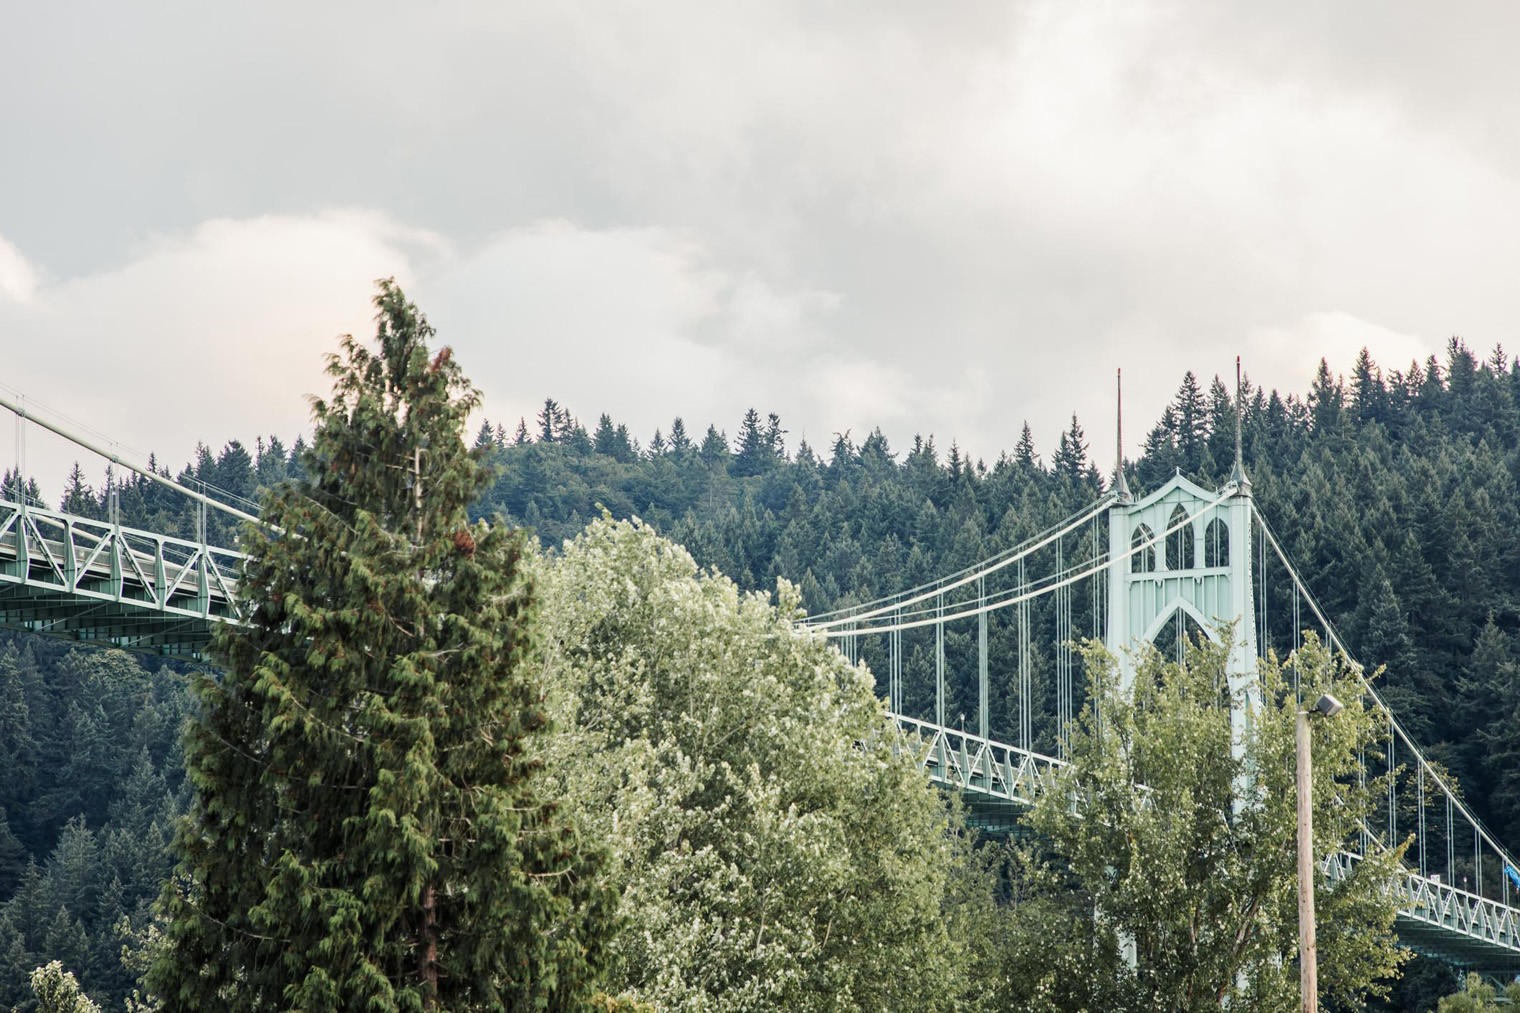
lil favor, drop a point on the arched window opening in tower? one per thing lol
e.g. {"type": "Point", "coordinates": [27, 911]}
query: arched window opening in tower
{"type": "Point", "coordinates": [1216, 543]}
{"type": "Point", "coordinates": [1143, 541]}
{"type": "Point", "coordinates": [1179, 634]}
{"type": "Point", "coordinates": [1179, 543]}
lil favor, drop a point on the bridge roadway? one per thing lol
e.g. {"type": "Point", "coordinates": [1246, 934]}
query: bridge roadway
{"type": "Point", "coordinates": [101, 583]}
{"type": "Point", "coordinates": [998, 781]}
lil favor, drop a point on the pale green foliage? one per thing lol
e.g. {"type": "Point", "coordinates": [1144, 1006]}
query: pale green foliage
{"type": "Point", "coordinates": [772, 849]}
{"type": "Point", "coordinates": [56, 991]}
{"type": "Point", "coordinates": [139, 949]}
{"type": "Point", "coordinates": [1198, 869]}
{"type": "Point", "coordinates": [1478, 996]}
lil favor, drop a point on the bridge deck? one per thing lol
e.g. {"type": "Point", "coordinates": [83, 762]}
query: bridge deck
{"type": "Point", "coordinates": [998, 782]}
{"type": "Point", "coordinates": [94, 581]}
{"type": "Point", "coordinates": [103, 583]}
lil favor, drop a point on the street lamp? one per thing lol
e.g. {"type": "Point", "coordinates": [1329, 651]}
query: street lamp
{"type": "Point", "coordinates": [1308, 957]}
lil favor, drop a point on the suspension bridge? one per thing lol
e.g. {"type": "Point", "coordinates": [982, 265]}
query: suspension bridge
{"type": "Point", "coordinates": [1176, 562]}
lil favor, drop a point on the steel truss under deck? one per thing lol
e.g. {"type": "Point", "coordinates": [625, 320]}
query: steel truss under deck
{"type": "Point", "coordinates": [102, 583]}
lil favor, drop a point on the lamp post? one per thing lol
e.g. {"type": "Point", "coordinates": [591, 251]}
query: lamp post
{"type": "Point", "coordinates": [1308, 957]}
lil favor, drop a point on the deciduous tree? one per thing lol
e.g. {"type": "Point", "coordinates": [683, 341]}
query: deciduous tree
{"type": "Point", "coordinates": [1197, 869]}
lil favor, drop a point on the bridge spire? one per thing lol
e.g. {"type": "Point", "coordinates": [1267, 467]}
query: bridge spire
{"type": "Point", "coordinates": [1121, 485]}
{"type": "Point", "coordinates": [1238, 475]}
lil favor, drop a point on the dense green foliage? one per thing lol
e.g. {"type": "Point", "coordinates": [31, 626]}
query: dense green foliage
{"type": "Point", "coordinates": [1394, 492]}
{"type": "Point", "coordinates": [772, 848]}
{"type": "Point", "coordinates": [57, 991]}
{"type": "Point", "coordinates": [372, 827]}
{"type": "Point", "coordinates": [1197, 873]}
{"type": "Point", "coordinates": [1478, 996]}
{"type": "Point", "coordinates": [93, 780]}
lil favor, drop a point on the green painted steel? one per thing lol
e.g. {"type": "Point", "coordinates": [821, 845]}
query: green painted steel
{"type": "Point", "coordinates": [998, 782]}
{"type": "Point", "coordinates": [101, 583]}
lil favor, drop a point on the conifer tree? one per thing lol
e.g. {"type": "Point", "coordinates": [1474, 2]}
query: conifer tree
{"type": "Point", "coordinates": [753, 455]}
{"type": "Point", "coordinates": [551, 422]}
{"type": "Point", "coordinates": [1023, 454]}
{"type": "Point", "coordinates": [1071, 453]}
{"type": "Point", "coordinates": [485, 437]}
{"type": "Point", "coordinates": [1191, 421]}
{"type": "Point", "coordinates": [78, 497]}
{"type": "Point", "coordinates": [680, 443]}
{"type": "Point", "coordinates": [370, 829]}
{"type": "Point", "coordinates": [604, 439]}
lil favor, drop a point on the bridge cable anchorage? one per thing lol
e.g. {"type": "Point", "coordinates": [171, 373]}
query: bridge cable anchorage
{"type": "Point", "coordinates": [928, 617]}
{"type": "Point", "coordinates": [1397, 731]}
{"type": "Point", "coordinates": [959, 579]}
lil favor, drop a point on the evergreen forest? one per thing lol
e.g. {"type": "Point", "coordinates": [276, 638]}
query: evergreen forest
{"type": "Point", "coordinates": [1393, 489]}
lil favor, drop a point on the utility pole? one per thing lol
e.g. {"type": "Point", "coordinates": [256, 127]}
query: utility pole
{"type": "Point", "coordinates": [1308, 955]}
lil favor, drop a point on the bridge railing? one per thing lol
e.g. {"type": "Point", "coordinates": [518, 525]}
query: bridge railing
{"type": "Point", "coordinates": [67, 554]}
{"type": "Point", "coordinates": [971, 763]}
{"type": "Point", "coordinates": [1434, 915]}
{"type": "Point", "coordinates": [1433, 912]}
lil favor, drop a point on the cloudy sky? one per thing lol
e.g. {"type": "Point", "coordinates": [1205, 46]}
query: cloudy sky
{"type": "Point", "coordinates": [934, 218]}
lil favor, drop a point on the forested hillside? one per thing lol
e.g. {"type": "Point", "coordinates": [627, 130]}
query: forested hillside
{"type": "Point", "coordinates": [1394, 490]}
{"type": "Point", "coordinates": [92, 781]}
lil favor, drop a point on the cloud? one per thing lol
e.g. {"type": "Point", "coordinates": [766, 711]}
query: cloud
{"type": "Point", "coordinates": [207, 335]}
{"type": "Point", "coordinates": [18, 278]}
{"type": "Point", "coordinates": [856, 214]}
{"type": "Point", "coordinates": [1281, 356]}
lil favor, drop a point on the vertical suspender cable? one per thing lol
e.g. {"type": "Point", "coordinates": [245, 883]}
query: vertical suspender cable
{"type": "Point", "coordinates": [1263, 643]}
{"type": "Point", "coordinates": [1298, 693]}
{"type": "Point", "coordinates": [1451, 848]}
{"type": "Point", "coordinates": [1026, 716]}
{"type": "Point", "coordinates": [939, 661]}
{"type": "Point", "coordinates": [1393, 777]}
{"type": "Point", "coordinates": [1477, 863]}
{"type": "Point", "coordinates": [1420, 788]}
{"type": "Point", "coordinates": [21, 483]}
{"type": "Point", "coordinates": [981, 659]}
{"type": "Point", "coordinates": [1361, 782]}
{"type": "Point", "coordinates": [1063, 656]}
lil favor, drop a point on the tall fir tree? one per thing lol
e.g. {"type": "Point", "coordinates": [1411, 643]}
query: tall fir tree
{"type": "Point", "coordinates": [1070, 458]}
{"type": "Point", "coordinates": [370, 829]}
{"type": "Point", "coordinates": [78, 497]}
{"type": "Point", "coordinates": [1023, 454]}
{"type": "Point", "coordinates": [753, 456]}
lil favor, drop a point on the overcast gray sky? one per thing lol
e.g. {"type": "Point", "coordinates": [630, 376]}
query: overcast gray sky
{"type": "Point", "coordinates": [936, 218]}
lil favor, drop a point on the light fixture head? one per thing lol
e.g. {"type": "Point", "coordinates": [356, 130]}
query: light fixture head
{"type": "Point", "coordinates": [1328, 705]}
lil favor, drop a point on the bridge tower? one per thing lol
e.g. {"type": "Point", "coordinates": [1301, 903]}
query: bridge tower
{"type": "Point", "coordinates": [1181, 555]}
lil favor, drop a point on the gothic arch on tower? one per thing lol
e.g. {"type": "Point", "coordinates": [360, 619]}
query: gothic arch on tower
{"type": "Point", "coordinates": [1216, 543]}
{"type": "Point", "coordinates": [1189, 610]}
{"type": "Point", "coordinates": [1201, 568]}
{"type": "Point", "coordinates": [1179, 540]}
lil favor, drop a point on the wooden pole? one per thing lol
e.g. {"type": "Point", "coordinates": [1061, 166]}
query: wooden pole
{"type": "Point", "coordinates": [1308, 957]}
